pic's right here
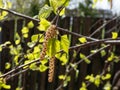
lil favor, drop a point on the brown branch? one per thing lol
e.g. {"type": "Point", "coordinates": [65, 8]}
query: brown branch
{"type": "Point", "coordinates": [98, 29]}
{"type": "Point", "coordinates": [76, 34]}
{"type": "Point", "coordinates": [19, 67]}
{"type": "Point", "coordinates": [19, 14]}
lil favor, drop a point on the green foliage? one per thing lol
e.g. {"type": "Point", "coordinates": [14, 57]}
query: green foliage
{"type": "Point", "coordinates": [44, 24]}
{"type": "Point", "coordinates": [107, 86]}
{"type": "Point", "coordinates": [43, 68]}
{"type": "Point", "coordinates": [82, 56]}
{"type": "Point", "coordinates": [114, 35]}
{"type": "Point", "coordinates": [64, 43]}
{"type": "Point", "coordinates": [30, 25]}
{"type": "Point", "coordinates": [53, 47]}
{"type": "Point", "coordinates": [55, 5]}
{"type": "Point", "coordinates": [45, 11]}
{"type": "Point", "coordinates": [65, 78]}
{"type": "Point", "coordinates": [7, 65]}
{"type": "Point", "coordinates": [83, 40]}
{"type": "Point", "coordinates": [3, 84]}
{"type": "Point", "coordinates": [103, 53]}
{"type": "Point", "coordinates": [84, 87]}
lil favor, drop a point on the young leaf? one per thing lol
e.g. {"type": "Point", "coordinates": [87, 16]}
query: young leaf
{"type": "Point", "coordinates": [44, 24]}
{"type": "Point", "coordinates": [6, 86]}
{"type": "Point", "coordinates": [0, 48]}
{"type": "Point", "coordinates": [62, 57]}
{"type": "Point", "coordinates": [61, 77]}
{"type": "Point", "coordinates": [114, 35]}
{"type": "Point", "coordinates": [97, 80]}
{"type": "Point", "coordinates": [55, 5]}
{"type": "Point", "coordinates": [83, 40]}
{"type": "Point", "coordinates": [17, 42]}
{"type": "Point", "coordinates": [43, 68]}
{"type": "Point", "coordinates": [53, 47]}
{"type": "Point", "coordinates": [7, 65]}
{"type": "Point", "coordinates": [103, 53]}
{"type": "Point", "coordinates": [64, 43]}
{"type": "Point", "coordinates": [30, 25]}
{"type": "Point", "coordinates": [25, 30]}
{"type": "Point", "coordinates": [82, 56]}
{"type": "Point", "coordinates": [45, 11]}
{"type": "Point", "coordinates": [33, 66]}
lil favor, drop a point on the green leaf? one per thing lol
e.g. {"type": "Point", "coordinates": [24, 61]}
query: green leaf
{"type": "Point", "coordinates": [55, 5]}
{"type": "Point", "coordinates": [62, 77]}
{"type": "Point", "coordinates": [35, 38]}
{"type": "Point", "coordinates": [7, 65]}
{"type": "Point", "coordinates": [44, 61]}
{"type": "Point", "coordinates": [33, 66]}
{"type": "Point", "coordinates": [111, 57]}
{"type": "Point", "coordinates": [83, 40]}
{"type": "Point", "coordinates": [25, 35]}
{"type": "Point", "coordinates": [84, 87]}
{"type": "Point", "coordinates": [90, 78]}
{"type": "Point", "coordinates": [106, 77]}
{"type": "Point", "coordinates": [0, 48]}
{"type": "Point", "coordinates": [6, 86]}
{"type": "Point", "coordinates": [62, 12]}
{"type": "Point", "coordinates": [62, 57]}
{"type": "Point", "coordinates": [25, 30]}
{"type": "Point", "coordinates": [30, 56]}
{"type": "Point", "coordinates": [114, 35]}
{"type": "Point", "coordinates": [103, 53]}
{"type": "Point", "coordinates": [44, 24]}
{"type": "Point", "coordinates": [64, 43]}
{"type": "Point", "coordinates": [0, 29]}
{"type": "Point", "coordinates": [36, 49]}
{"type": "Point", "coordinates": [97, 80]}
{"type": "Point", "coordinates": [17, 42]}
{"type": "Point", "coordinates": [45, 11]}
{"type": "Point", "coordinates": [82, 56]}
{"type": "Point", "coordinates": [43, 68]}
{"type": "Point", "coordinates": [30, 24]}
{"type": "Point", "coordinates": [107, 86]}
{"type": "Point", "coordinates": [53, 47]}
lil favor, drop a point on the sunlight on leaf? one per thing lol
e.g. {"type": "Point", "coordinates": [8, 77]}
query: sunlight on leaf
{"type": "Point", "coordinates": [45, 11]}
{"type": "Point", "coordinates": [84, 87]}
{"type": "Point", "coordinates": [64, 43]}
{"type": "Point", "coordinates": [30, 24]}
{"type": "Point", "coordinates": [114, 35]}
{"type": "Point", "coordinates": [44, 24]}
{"type": "Point", "coordinates": [25, 30]}
{"type": "Point", "coordinates": [53, 47]}
{"type": "Point", "coordinates": [43, 68]}
{"type": "Point", "coordinates": [62, 57]}
{"type": "Point", "coordinates": [103, 53]}
{"type": "Point", "coordinates": [17, 42]}
{"type": "Point", "coordinates": [83, 40]}
{"type": "Point", "coordinates": [7, 65]}
{"type": "Point", "coordinates": [82, 56]}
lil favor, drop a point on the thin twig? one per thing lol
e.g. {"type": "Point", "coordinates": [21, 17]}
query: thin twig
{"type": "Point", "coordinates": [98, 29]}
{"type": "Point", "coordinates": [19, 14]}
{"type": "Point", "coordinates": [76, 34]}
{"type": "Point", "coordinates": [19, 67]}
{"type": "Point", "coordinates": [80, 61]}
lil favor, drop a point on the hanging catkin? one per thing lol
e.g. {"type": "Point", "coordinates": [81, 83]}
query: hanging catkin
{"type": "Point", "coordinates": [50, 33]}
{"type": "Point", "coordinates": [51, 69]}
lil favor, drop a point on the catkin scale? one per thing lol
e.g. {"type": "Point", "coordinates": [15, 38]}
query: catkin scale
{"type": "Point", "coordinates": [51, 69]}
